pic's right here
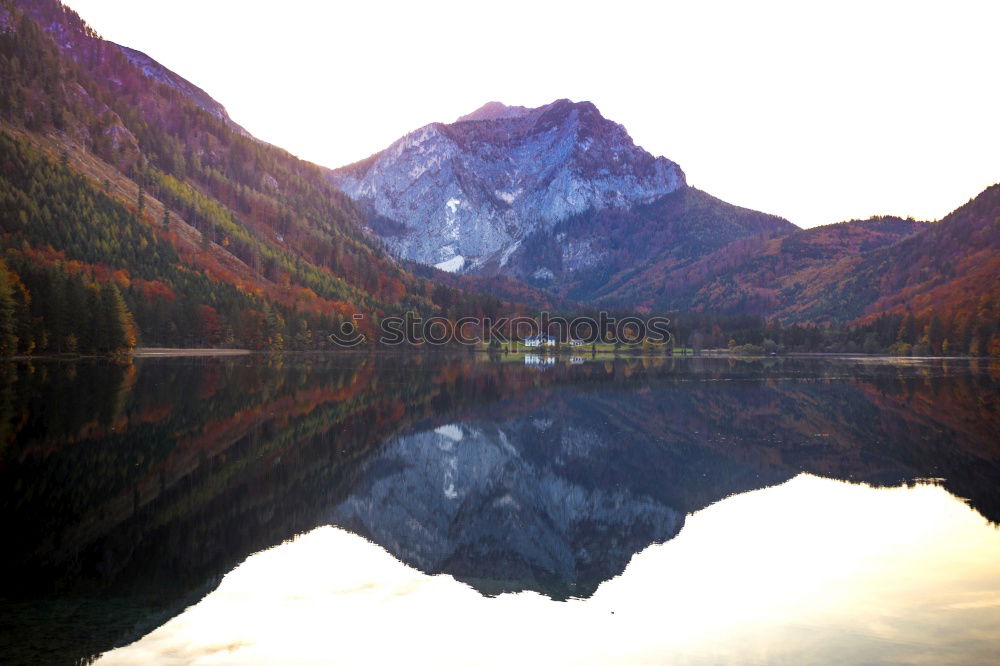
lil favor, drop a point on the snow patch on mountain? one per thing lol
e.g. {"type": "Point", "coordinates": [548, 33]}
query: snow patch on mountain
{"type": "Point", "coordinates": [452, 265]}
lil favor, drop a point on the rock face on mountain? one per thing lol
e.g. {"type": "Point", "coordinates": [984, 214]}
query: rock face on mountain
{"type": "Point", "coordinates": [464, 195]}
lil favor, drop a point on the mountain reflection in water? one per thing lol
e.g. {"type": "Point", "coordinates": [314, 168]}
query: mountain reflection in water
{"type": "Point", "coordinates": [130, 490]}
{"type": "Point", "coordinates": [812, 571]}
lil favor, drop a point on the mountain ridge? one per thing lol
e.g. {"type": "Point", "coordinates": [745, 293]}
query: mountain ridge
{"type": "Point", "coordinates": [467, 192]}
{"type": "Point", "coordinates": [851, 271]}
{"type": "Point", "coordinates": [158, 72]}
{"type": "Point", "coordinates": [679, 249]}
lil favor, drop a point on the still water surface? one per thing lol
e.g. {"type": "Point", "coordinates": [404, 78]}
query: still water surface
{"type": "Point", "coordinates": [431, 509]}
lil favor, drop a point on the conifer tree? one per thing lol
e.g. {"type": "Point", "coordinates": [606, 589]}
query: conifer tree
{"type": "Point", "coordinates": [8, 313]}
{"type": "Point", "coordinates": [907, 329]}
{"type": "Point", "coordinates": [115, 320]}
{"type": "Point", "coordinates": [275, 325]}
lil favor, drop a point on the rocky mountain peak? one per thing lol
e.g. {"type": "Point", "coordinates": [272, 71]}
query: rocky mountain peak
{"type": "Point", "coordinates": [466, 194]}
{"type": "Point", "coordinates": [494, 111]}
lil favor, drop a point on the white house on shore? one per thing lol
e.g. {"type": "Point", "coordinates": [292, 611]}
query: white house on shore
{"type": "Point", "coordinates": [539, 341]}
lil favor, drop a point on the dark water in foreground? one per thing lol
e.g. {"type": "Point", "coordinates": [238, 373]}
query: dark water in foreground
{"type": "Point", "coordinates": [456, 510]}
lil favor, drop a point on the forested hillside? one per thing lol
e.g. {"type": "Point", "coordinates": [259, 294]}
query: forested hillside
{"type": "Point", "coordinates": [112, 181]}
{"type": "Point", "coordinates": [884, 284]}
{"type": "Point", "coordinates": [619, 256]}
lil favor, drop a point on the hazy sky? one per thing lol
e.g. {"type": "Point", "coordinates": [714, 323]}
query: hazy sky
{"type": "Point", "coordinates": [816, 112]}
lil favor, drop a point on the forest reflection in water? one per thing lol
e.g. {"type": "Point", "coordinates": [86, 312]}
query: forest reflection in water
{"type": "Point", "coordinates": [131, 489]}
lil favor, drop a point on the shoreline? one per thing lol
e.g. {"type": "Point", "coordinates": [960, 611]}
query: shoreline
{"type": "Point", "coordinates": [165, 352]}
{"type": "Point", "coordinates": [179, 352]}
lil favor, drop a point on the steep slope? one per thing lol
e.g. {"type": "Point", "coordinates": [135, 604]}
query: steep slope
{"type": "Point", "coordinates": [158, 72]}
{"type": "Point", "coordinates": [79, 42]}
{"type": "Point", "coordinates": [464, 195]}
{"type": "Point", "coordinates": [211, 236]}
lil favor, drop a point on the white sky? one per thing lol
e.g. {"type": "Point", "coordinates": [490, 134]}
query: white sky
{"type": "Point", "coordinates": [818, 113]}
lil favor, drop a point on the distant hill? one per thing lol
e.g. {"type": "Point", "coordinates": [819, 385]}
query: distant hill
{"type": "Point", "coordinates": [763, 274]}
{"type": "Point", "coordinates": [849, 272]}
